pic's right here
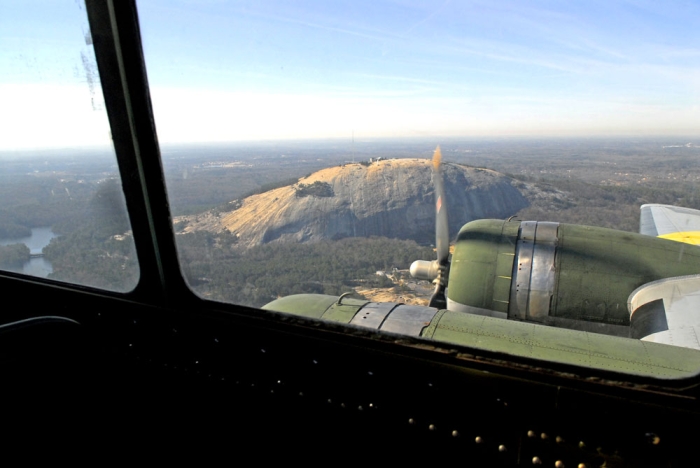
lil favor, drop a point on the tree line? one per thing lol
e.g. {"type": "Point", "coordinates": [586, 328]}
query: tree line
{"type": "Point", "coordinates": [217, 269]}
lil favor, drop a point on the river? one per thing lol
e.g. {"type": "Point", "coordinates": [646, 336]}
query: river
{"type": "Point", "coordinates": [37, 266]}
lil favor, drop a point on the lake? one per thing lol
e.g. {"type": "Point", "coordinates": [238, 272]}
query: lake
{"type": "Point", "coordinates": [37, 266]}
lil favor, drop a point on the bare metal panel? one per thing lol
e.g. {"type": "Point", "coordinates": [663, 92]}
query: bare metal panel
{"type": "Point", "coordinates": [680, 304]}
{"type": "Point", "coordinates": [528, 230]}
{"type": "Point", "coordinates": [542, 275]}
{"type": "Point", "coordinates": [520, 286]}
{"type": "Point", "coordinates": [547, 232]}
{"type": "Point", "coordinates": [647, 226]}
{"type": "Point", "coordinates": [658, 220]}
{"type": "Point", "coordinates": [373, 314]}
{"type": "Point", "coordinates": [408, 320]}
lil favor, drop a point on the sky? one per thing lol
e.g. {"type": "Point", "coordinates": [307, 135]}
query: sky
{"type": "Point", "coordinates": [264, 70]}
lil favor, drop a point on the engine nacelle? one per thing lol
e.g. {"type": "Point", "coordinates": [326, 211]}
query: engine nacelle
{"type": "Point", "coordinates": [564, 275]}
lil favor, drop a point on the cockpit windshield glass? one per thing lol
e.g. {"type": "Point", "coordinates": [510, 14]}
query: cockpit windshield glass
{"type": "Point", "coordinates": [62, 213]}
{"type": "Point", "coordinates": [538, 160]}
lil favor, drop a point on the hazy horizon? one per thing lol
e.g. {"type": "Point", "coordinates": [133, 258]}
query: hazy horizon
{"type": "Point", "coordinates": [231, 72]}
{"type": "Point", "coordinates": [348, 143]}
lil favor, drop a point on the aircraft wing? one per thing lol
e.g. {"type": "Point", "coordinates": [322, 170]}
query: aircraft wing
{"type": "Point", "coordinates": [670, 222]}
{"type": "Point", "coordinates": [667, 311]}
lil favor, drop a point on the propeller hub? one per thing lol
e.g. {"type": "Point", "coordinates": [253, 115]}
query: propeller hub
{"type": "Point", "coordinates": [425, 270]}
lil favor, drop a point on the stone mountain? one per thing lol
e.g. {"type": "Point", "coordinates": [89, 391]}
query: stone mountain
{"type": "Point", "coordinates": [392, 198]}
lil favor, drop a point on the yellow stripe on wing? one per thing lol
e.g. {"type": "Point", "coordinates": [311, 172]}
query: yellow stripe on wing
{"type": "Point", "coordinates": [688, 237]}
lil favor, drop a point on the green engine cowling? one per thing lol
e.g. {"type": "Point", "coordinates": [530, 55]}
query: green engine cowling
{"type": "Point", "coordinates": [569, 276]}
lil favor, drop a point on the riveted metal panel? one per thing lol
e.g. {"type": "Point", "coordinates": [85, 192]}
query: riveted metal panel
{"type": "Point", "coordinates": [308, 305]}
{"type": "Point", "coordinates": [542, 276]}
{"type": "Point", "coordinates": [408, 320]}
{"type": "Point", "coordinates": [475, 262]}
{"type": "Point", "coordinates": [502, 280]}
{"type": "Point", "coordinates": [373, 314]}
{"type": "Point", "coordinates": [454, 306]}
{"type": "Point", "coordinates": [501, 293]}
{"type": "Point", "coordinates": [504, 267]}
{"type": "Point", "coordinates": [343, 310]}
{"type": "Point", "coordinates": [520, 285]}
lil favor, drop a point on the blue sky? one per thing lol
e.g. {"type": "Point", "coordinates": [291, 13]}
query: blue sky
{"type": "Point", "coordinates": [248, 70]}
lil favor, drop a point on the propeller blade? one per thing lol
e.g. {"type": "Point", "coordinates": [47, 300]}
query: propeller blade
{"type": "Point", "coordinates": [442, 234]}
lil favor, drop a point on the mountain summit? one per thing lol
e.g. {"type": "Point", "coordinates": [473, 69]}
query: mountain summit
{"type": "Point", "coordinates": [392, 198]}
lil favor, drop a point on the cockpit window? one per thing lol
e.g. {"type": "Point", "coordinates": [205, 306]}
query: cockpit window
{"type": "Point", "coordinates": [63, 214]}
{"type": "Point", "coordinates": [314, 153]}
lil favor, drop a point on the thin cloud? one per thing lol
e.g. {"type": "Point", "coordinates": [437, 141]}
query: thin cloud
{"type": "Point", "coordinates": [432, 15]}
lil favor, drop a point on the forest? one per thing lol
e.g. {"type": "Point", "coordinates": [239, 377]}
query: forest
{"type": "Point", "coordinates": [98, 250]}
{"type": "Point", "coordinates": [83, 204]}
{"type": "Point", "coordinates": [217, 270]}
{"type": "Point", "coordinates": [13, 255]}
{"type": "Point", "coordinates": [610, 206]}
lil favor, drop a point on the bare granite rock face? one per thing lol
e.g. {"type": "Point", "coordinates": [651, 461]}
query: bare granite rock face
{"type": "Point", "coordinates": [392, 198]}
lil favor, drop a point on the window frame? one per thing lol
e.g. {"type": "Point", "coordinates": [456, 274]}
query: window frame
{"type": "Point", "coordinates": [162, 288]}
